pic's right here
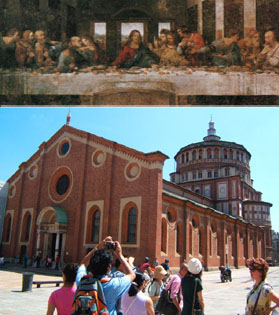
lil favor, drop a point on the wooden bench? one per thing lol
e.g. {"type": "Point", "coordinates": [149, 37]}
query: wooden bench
{"type": "Point", "coordinates": [38, 283]}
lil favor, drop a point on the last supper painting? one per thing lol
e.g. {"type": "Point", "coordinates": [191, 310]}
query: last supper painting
{"type": "Point", "coordinates": [141, 52]}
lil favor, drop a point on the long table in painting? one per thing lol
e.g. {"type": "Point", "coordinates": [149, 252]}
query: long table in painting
{"type": "Point", "coordinates": [127, 87]}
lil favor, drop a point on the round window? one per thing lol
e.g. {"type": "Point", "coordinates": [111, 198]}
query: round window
{"type": "Point", "coordinates": [172, 215]}
{"type": "Point", "coordinates": [33, 171]}
{"type": "Point", "coordinates": [65, 148]}
{"type": "Point", "coordinates": [12, 191]}
{"type": "Point", "coordinates": [62, 185]}
{"type": "Point", "coordinates": [98, 158]}
{"type": "Point", "coordinates": [132, 171]}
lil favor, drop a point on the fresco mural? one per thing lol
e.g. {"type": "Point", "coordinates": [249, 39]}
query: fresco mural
{"type": "Point", "coordinates": [156, 52]}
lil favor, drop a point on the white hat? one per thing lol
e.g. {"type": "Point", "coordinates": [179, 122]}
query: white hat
{"type": "Point", "coordinates": [194, 266]}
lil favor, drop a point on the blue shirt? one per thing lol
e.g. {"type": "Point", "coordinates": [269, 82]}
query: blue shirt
{"type": "Point", "coordinates": [113, 289]}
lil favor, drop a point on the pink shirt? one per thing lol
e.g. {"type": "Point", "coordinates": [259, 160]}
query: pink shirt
{"type": "Point", "coordinates": [62, 299]}
{"type": "Point", "coordinates": [175, 284]}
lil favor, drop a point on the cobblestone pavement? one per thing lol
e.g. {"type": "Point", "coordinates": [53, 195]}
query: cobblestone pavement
{"type": "Point", "coordinates": [220, 298]}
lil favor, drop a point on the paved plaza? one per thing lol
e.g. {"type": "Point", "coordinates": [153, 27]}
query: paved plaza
{"type": "Point", "coordinates": [220, 298]}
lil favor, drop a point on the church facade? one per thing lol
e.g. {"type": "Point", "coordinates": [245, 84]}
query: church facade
{"type": "Point", "coordinates": [220, 170]}
{"type": "Point", "coordinates": [78, 188]}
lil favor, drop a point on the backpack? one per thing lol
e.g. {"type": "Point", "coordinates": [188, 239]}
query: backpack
{"type": "Point", "coordinates": [89, 297]}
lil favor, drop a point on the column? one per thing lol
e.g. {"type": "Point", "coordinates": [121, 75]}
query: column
{"type": "Point", "coordinates": [62, 258]}
{"type": "Point", "coordinates": [57, 244]}
{"type": "Point", "coordinates": [186, 232]}
{"type": "Point", "coordinates": [249, 16]}
{"type": "Point", "coordinates": [264, 250]}
{"type": "Point", "coordinates": [46, 238]}
{"type": "Point", "coordinates": [223, 244]}
{"type": "Point", "coordinates": [38, 244]}
{"type": "Point", "coordinates": [219, 19]}
{"type": "Point", "coordinates": [248, 245]}
{"type": "Point", "coordinates": [206, 241]}
{"type": "Point", "coordinates": [236, 245]}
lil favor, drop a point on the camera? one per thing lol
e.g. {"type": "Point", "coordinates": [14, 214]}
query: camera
{"type": "Point", "coordinates": [110, 245]}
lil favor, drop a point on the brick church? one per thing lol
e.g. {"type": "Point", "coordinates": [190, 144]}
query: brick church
{"type": "Point", "coordinates": [78, 188]}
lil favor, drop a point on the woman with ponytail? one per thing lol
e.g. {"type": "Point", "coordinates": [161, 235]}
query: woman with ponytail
{"type": "Point", "coordinates": [135, 301]}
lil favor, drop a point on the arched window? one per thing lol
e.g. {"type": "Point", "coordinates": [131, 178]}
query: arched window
{"type": "Point", "coordinates": [164, 236]}
{"type": "Point", "coordinates": [209, 156]}
{"type": "Point", "coordinates": [28, 227]}
{"type": "Point", "coordinates": [7, 228]}
{"type": "Point", "coordinates": [200, 154]}
{"type": "Point", "coordinates": [95, 227]}
{"type": "Point", "coordinates": [216, 153]}
{"type": "Point", "coordinates": [130, 223]}
{"type": "Point", "coordinates": [182, 159]}
{"type": "Point", "coordinates": [132, 226]}
{"type": "Point", "coordinates": [194, 155]}
{"type": "Point", "coordinates": [225, 154]}
{"type": "Point", "coordinates": [187, 157]}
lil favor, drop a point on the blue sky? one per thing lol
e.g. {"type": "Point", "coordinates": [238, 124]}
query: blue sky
{"type": "Point", "coordinates": [147, 129]}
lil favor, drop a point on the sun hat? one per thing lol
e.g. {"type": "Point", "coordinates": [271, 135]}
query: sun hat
{"type": "Point", "coordinates": [159, 272]}
{"type": "Point", "coordinates": [194, 266]}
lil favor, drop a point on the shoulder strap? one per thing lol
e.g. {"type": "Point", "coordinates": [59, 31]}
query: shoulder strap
{"type": "Point", "coordinates": [105, 280]}
{"type": "Point", "coordinates": [257, 300]}
{"type": "Point", "coordinates": [194, 296]}
{"type": "Point", "coordinates": [132, 303]}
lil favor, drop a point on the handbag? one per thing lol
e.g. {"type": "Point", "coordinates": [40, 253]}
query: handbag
{"type": "Point", "coordinates": [165, 305]}
{"type": "Point", "coordinates": [196, 311]}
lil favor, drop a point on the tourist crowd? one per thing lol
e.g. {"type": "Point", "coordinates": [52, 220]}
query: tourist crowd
{"type": "Point", "coordinates": [108, 283]}
{"type": "Point", "coordinates": [181, 48]}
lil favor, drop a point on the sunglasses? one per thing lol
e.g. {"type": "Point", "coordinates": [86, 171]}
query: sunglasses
{"type": "Point", "coordinates": [252, 269]}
